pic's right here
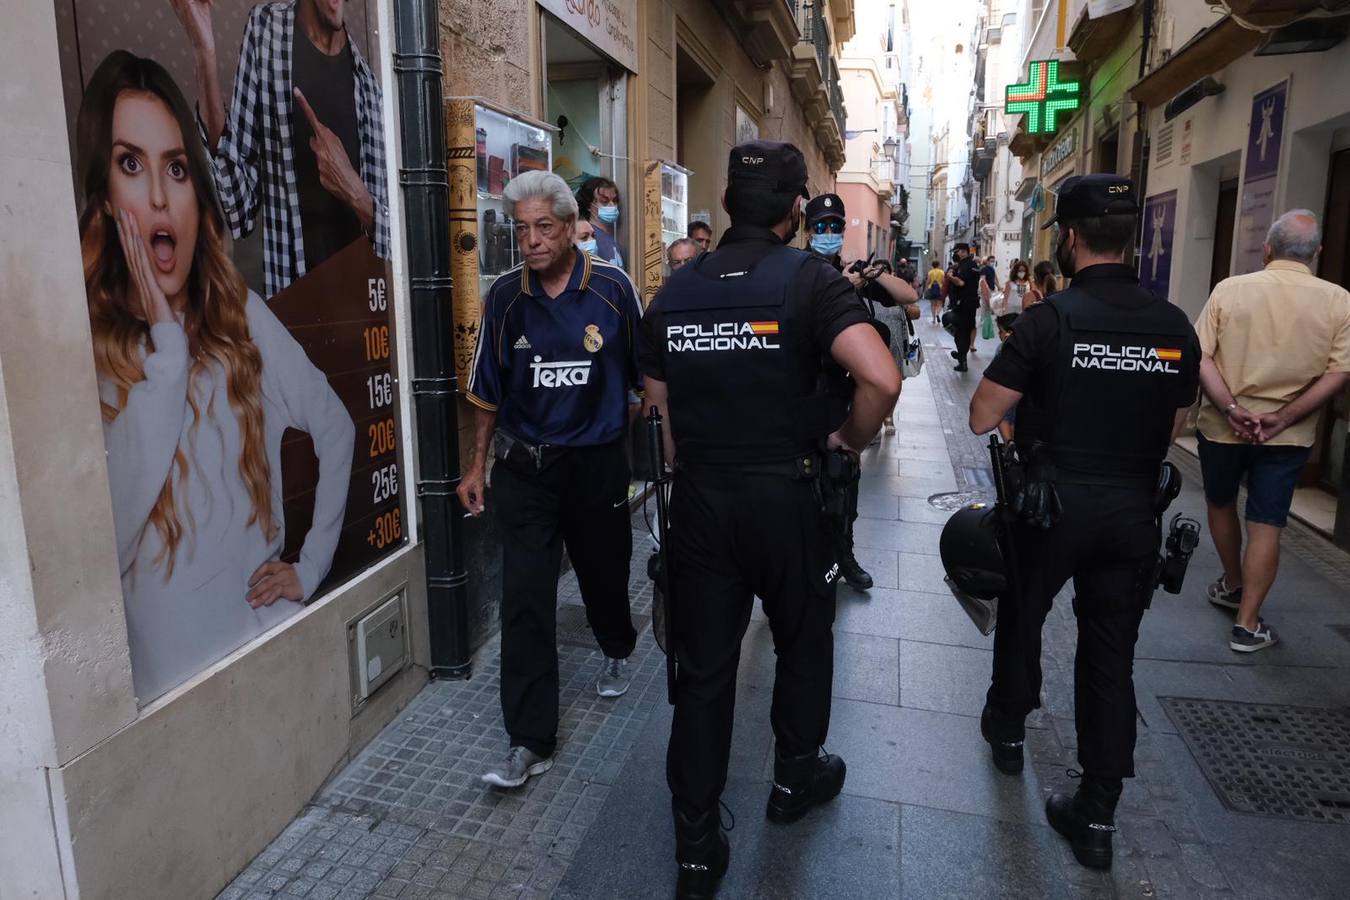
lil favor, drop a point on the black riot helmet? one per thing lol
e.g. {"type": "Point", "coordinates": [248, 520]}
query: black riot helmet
{"type": "Point", "coordinates": [971, 556]}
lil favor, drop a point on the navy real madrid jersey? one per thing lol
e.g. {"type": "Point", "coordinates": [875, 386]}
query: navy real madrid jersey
{"type": "Point", "coordinates": [558, 370]}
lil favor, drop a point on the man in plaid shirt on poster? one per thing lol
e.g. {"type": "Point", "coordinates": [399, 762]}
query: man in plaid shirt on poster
{"type": "Point", "coordinates": [302, 137]}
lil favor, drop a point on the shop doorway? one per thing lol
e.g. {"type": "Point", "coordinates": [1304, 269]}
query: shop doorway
{"type": "Point", "coordinates": [1225, 220]}
{"type": "Point", "coordinates": [1335, 266]}
{"type": "Point", "coordinates": [585, 96]}
{"type": "Point", "coordinates": [697, 127]}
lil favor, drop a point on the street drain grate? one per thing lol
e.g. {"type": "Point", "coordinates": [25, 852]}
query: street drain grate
{"type": "Point", "coordinates": [955, 500]}
{"type": "Point", "coordinates": [573, 630]}
{"type": "Point", "coordinates": [1267, 760]}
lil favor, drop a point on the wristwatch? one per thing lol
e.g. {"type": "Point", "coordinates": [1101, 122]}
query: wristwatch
{"type": "Point", "coordinates": [1228, 410]}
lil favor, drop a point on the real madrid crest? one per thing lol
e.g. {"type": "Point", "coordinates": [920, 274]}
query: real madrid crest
{"type": "Point", "coordinates": [592, 340]}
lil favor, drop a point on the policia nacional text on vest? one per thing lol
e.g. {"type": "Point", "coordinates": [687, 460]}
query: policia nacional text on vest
{"type": "Point", "coordinates": [734, 348]}
{"type": "Point", "coordinates": [1103, 369]}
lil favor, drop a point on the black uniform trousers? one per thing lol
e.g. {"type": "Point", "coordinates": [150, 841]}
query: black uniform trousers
{"type": "Point", "coordinates": [580, 501]}
{"type": "Point", "coordinates": [1107, 542]}
{"type": "Point", "coordinates": [735, 536]}
{"type": "Point", "coordinates": [963, 326]}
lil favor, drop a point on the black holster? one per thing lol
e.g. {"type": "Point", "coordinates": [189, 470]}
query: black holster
{"type": "Point", "coordinates": [840, 472]}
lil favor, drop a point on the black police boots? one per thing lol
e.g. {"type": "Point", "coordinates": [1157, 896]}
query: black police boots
{"type": "Point", "coordinates": [702, 851]}
{"type": "Point", "coordinates": [1007, 753]}
{"type": "Point", "coordinates": [853, 574]}
{"type": "Point", "coordinates": [1087, 819]}
{"type": "Point", "coordinates": [801, 782]}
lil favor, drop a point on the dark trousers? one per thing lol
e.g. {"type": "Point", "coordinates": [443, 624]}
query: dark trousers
{"type": "Point", "coordinates": [963, 326]}
{"type": "Point", "coordinates": [1107, 542]}
{"type": "Point", "coordinates": [579, 501]}
{"type": "Point", "coordinates": [734, 537]}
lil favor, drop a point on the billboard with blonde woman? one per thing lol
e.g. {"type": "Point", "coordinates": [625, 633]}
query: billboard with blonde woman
{"type": "Point", "coordinates": [234, 230]}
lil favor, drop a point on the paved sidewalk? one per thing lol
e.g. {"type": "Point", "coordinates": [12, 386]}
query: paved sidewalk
{"type": "Point", "coordinates": [1244, 761]}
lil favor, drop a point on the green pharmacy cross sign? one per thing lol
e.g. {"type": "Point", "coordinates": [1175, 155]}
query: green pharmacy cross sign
{"type": "Point", "coordinates": [1043, 97]}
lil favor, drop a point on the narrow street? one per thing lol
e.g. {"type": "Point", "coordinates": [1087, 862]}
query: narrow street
{"type": "Point", "coordinates": [1243, 786]}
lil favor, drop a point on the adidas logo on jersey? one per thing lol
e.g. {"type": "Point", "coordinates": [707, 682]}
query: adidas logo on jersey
{"type": "Point", "coordinates": [523, 343]}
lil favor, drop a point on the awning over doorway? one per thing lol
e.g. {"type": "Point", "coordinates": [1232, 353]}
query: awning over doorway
{"type": "Point", "coordinates": [1206, 53]}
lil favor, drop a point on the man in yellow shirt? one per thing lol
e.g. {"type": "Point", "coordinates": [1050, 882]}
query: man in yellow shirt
{"type": "Point", "coordinates": [1275, 348]}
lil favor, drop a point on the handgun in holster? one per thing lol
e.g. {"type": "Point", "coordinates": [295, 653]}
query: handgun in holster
{"type": "Point", "coordinates": [839, 470]}
{"type": "Point", "coordinates": [1183, 534]}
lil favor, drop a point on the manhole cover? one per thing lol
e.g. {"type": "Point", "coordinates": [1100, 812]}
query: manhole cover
{"type": "Point", "coordinates": [1267, 760]}
{"type": "Point", "coordinates": [573, 630]}
{"type": "Point", "coordinates": [955, 500]}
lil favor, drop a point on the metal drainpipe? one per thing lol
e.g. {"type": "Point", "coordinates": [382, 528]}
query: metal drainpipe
{"type": "Point", "coordinates": [1141, 111]}
{"type": "Point", "coordinates": [426, 195]}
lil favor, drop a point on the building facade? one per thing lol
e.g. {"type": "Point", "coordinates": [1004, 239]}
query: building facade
{"type": "Point", "coordinates": [130, 766]}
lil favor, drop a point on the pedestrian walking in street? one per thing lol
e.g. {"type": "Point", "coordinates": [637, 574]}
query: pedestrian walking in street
{"type": "Point", "coordinates": [555, 362]}
{"type": "Point", "coordinates": [1093, 445]}
{"type": "Point", "coordinates": [746, 516]}
{"type": "Point", "coordinates": [1044, 283]}
{"type": "Point", "coordinates": [1016, 288]}
{"type": "Point", "coordinates": [825, 222]}
{"type": "Point", "coordinates": [598, 203]}
{"type": "Point", "coordinates": [965, 302]}
{"type": "Point", "coordinates": [1276, 348]}
{"type": "Point", "coordinates": [935, 290]}
{"type": "Point", "coordinates": [702, 234]}
{"type": "Point", "coordinates": [583, 237]}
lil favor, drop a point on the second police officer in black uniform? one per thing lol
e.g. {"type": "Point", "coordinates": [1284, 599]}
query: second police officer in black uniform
{"type": "Point", "coordinates": [826, 223]}
{"type": "Point", "coordinates": [733, 350]}
{"type": "Point", "coordinates": [1102, 375]}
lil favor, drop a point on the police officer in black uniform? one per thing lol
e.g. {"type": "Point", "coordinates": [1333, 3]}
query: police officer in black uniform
{"type": "Point", "coordinates": [733, 349]}
{"type": "Point", "coordinates": [825, 225]}
{"type": "Point", "coordinates": [965, 302]}
{"type": "Point", "coordinates": [1102, 375]}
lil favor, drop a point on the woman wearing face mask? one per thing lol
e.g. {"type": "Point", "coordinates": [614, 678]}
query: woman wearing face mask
{"type": "Point", "coordinates": [598, 201]}
{"type": "Point", "coordinates": [583, 237]}
{"type": "Point", "coordinates": [198, 380]}
{"type": "Point", "coordinates": [1015, 291]}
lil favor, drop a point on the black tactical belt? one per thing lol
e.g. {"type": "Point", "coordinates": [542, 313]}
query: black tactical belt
{"type": "Point", "coordinates": [805, 468]}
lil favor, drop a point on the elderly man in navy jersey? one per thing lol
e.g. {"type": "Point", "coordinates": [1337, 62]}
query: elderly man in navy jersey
{"type": "Point", "coordinates": [555, 363]}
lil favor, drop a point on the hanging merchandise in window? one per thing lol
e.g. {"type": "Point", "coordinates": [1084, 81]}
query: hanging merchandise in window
{"type": "Point", "coordinates": [235, 232]}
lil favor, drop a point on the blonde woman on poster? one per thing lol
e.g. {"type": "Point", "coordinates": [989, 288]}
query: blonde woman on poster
{"type": "Point", "coordinates": [198, 381]}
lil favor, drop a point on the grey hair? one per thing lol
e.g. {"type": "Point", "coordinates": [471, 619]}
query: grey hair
{"type": "Point", "coordinates": [681, 242]}
{"type": "Point", "coordinates": [1290, 237]}
{"type": "Point", "coordinates": [541, 185]}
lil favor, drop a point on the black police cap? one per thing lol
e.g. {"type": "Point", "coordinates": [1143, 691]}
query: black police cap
{"type": "Point", "coordinates": [1089, 196]}
{"type": "Point", "coordinates": [825, 206]}
{"type": "Point", "coordinates": [776, 166]}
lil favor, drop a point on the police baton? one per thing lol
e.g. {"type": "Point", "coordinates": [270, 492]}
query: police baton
{"type": "Point", "coordinates": [998, 458]}
{"type": "Point", "coordinates": [659, 566]}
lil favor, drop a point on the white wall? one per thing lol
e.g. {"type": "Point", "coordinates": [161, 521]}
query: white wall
{"type": "Point", "coordinates": [1318, 105]}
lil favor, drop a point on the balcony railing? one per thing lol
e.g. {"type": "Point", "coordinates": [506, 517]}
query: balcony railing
{"type": "Point", "coordinates": [836, 96]}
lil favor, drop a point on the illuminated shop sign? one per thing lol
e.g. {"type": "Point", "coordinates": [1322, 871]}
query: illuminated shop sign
{"type": "Point", "coordinates": [1043, 97]}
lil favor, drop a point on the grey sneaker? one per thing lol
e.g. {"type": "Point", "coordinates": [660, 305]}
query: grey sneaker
{"type": "Point", "coordinates": [614, 679]}
{"type": "Point", "coordinates": [1245, 641]}
{"type": "Point", "coordinates": [1219, 594]}
{"type": "Point", "coordinates": [519, 766]}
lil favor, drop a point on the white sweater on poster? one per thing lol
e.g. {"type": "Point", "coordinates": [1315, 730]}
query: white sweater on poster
{"type": "Point", "coordinates": [178, 624]}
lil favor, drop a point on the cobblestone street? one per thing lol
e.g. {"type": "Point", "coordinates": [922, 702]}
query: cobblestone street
{"type": "Point", "coordinates": [1243, 786]}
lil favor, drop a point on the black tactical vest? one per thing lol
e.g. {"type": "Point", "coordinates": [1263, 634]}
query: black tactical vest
{"type": "Point", "coordinates": [1113, 390]}
{"type": "Point", "coordinates": [744, 382]}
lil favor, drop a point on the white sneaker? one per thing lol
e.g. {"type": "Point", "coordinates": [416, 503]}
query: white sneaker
{"type": "Point", "coordinates": [520, 765]}
{"type": "Point", "coordinates": [614, 679]}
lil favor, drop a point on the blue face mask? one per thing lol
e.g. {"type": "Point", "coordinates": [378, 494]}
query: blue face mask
{"type": "Point", "coordinates": [587, 246]}
{"type": "Point", "coordinates": [607, 214]}
{"type": "Point", "coordinates": [827, 244]}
